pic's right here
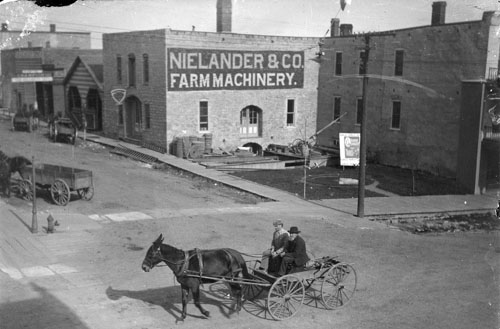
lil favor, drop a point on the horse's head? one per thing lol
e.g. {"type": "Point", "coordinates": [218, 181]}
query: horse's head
{"type": "Point", "coordinates": [153, 256]}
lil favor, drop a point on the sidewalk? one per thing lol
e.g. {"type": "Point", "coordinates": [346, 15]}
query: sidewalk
{"type": "Point", "coordinates": [393, 206]}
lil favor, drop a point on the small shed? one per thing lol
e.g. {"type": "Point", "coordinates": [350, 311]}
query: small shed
{"type": "Point", "coordinates": [83, 87]}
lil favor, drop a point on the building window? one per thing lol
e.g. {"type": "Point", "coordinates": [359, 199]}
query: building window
{"type": "Point", "coordinates": [147, 116]}
{"type": "Point", "coordinates": [362, 66]}
{"type": "Point", "coordinates": [47, 44]}
{"type": "Point", "coordinates": [290, 112]}
{"type": "Point", "coordinates": [119, 69]}
{"type": "Point", "coordinates": [120, 114]}
{"type": "Point", "coordinates": [131, 70]}
{"type": "Point", "coordinates": [338, 63]}
{"type": "Point", "coordinates": [396, 115]}
{"type": "Point", "coordinates": [30, 44]}
{"type": "Point", "coordinates": [336, 108]}
{"type": "Point", "coordinates": [203, 115]}
{"type": "Point", "coordinates": [398, 69]}
{"type": "Point", "coordinates": [145, 68]}
{"type": "Point", "coordinates": [359, 110]}
{"type": "Point", "coordinates": [251, 122]}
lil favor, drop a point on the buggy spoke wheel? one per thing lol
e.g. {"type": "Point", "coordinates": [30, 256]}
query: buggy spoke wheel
{"type": "Point", "coordinates": [251, 291]}
{"type": "Point", "coordinates": [86, 193]}
{"type": "Point", "coordinates": [26, 189]}
{"type": "Point", "coordinates": [285, 297]}
{"type": "Point", "coordinates": [60, 192]}
{"type": "Point", "coordinates": [338, 286]}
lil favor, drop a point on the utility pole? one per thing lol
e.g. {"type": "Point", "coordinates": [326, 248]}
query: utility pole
{"type": "Point", "coordinates": [362, 144]}
{"type": "Point", "coordinates": [34, 219]}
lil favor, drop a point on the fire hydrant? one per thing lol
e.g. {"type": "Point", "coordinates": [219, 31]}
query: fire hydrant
{"type": "Point", "coordinates": [50, 224]}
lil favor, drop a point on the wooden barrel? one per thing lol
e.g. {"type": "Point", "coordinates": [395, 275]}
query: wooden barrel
{"type": "Point", "coordinates": [208, 143]}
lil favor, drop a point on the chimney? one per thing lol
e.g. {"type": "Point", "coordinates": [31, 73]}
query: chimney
{"type": "Point", "coordinates": [52, 28]}
{"type": "Point", "coordinates": [334, 27]}
{"type": "Point", "coordinates": [5, 27]}
{"type": "Point", "coordinates": [438, 12]}
{"type": "Point", "coordinates": [224, 13]}
{"type": "Point", "coordinates": [345, 29]}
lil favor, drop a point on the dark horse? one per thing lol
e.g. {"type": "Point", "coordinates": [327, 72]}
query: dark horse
{"type": "Point", "coordinates": [192, 267]}
{"type": "Point", "coordinates": [17, 164]}
{"type": "Point", "coordinates": [8, 166]}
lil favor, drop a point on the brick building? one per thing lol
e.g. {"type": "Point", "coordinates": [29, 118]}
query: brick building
{"type": "Point", "coordinates": [243, 90]}
{"type": "Point", "coordinates": [34, 77]}
{"type": "Point", "coordinates": [418, 94]}
{"type": "Point", "coordinates": [15, 39]}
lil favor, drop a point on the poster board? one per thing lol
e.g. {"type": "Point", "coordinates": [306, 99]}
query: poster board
{"type": "Point", "coordinates": [349, 148]}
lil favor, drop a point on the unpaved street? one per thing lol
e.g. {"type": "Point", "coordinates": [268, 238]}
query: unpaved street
{"type": "Point", "coordinates": [404, 280]}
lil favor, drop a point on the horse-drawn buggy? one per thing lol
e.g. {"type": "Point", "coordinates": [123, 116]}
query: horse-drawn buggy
{"type": "Point", "coordinates": [59, 180]}
{"type": "Point", "coordinates": [324, 280]}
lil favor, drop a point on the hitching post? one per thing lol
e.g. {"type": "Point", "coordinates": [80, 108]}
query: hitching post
{"type": "Point", "coordinates": [34, 220]}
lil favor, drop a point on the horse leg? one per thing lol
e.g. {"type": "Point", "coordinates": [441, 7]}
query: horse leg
{"type": "Point", "coordinates": [196, 297]}
{"type": "Point", "coordinates": [185, 297]}
{"type": "Point", "coordinates": [236, 291]}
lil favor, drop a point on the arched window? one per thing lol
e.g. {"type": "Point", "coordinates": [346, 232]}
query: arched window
{"type": "Point", "coordinates": [251, 121]}
{"type": "Point", "coordinates": [131, 70]}
{"type": "Point", "coordinates": [74, 100]}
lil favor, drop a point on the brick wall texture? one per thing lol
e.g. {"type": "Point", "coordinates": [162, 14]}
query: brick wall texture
{"type": "Point", "coordinates": [176, 113]}
{"type": "Point", "coordinates": [436, 61]}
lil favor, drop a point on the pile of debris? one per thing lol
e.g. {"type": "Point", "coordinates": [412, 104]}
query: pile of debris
{"type": "Point", "coordinates": [445, 224]}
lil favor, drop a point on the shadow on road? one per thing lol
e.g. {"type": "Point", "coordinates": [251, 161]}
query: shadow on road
{"type": "Point", "coordinates": [170, 299]}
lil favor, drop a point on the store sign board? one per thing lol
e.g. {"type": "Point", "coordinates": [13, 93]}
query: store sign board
{"type": "Point", "coordinates": [211, 69]}
{"type": "Point", "coordinates": [349, 148]}
{"type": "Point", "coordinates": [32, 77]}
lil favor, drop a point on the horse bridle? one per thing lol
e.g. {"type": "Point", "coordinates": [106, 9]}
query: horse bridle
{"type": "Point", "coordinates": [158, 254]}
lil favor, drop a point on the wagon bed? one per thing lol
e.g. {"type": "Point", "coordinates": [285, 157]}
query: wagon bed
{"type": "Point", "coordinates": [60, 180]}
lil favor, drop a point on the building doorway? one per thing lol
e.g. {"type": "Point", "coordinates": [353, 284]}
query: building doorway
{"type": "Point", "coordinates": [251, 121]}
{"type": "Point", "coordinates": [133, 117]}
{"type": "Point", "coordinates": [93, 113]}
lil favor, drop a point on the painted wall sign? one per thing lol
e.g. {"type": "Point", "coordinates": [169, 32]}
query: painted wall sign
{"type": "Point", "coordinates": [210, 69]}
{"type": "Point", "coordinates": [349, 148]}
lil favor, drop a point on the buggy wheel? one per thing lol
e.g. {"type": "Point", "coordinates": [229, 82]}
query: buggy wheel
{"type": "Point", "coordinates": [86, 193]}
{"type": "Point", "coordinates": [60, 192]}
{"type": "Point", "coordinates": [285, 297]}
{"type": "Point", "coordinates": [338, 286]}
{"type": "Point", "coordinates": [26, 190]}
{"type": "Point", "coordinates": [251, 291]}
{"type": "Point", "coordinates": [54, 136]}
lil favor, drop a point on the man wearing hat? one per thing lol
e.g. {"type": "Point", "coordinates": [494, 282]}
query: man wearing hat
{"type": "Point", "coordinates": [271, 259]}
{"type": "Point", "coordinates": [295, 254]}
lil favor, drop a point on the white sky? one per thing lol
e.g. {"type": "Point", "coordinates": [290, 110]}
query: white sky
{"type": "Point", "coordinates": [269, 17]}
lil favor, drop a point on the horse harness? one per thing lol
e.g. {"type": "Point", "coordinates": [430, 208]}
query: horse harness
{"type": "Point", "coordinates": [184, 269]}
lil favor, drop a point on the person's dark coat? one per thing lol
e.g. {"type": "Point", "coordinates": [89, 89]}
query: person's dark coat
{"type": "Point", "coordinates": [297, 250]}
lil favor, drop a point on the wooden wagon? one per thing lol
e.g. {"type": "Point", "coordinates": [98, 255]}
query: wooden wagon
{"type": "Point", "coordinates": [59, 180]}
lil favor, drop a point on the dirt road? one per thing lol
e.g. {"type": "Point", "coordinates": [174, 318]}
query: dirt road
{"type": "Point", "coordinates": [405, 280]}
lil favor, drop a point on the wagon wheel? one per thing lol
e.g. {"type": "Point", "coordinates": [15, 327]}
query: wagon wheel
{"type": "Point", "coordinates": [74, 137]}
{"type": "Point", "coordinates": [26, 189]}
{"type": "Point", "coordinates": [251, 291]}
{"type": "Point", "coordinates": [51, 130]}
{"type": "Point", "coordinates": [54, 136]}
{"type": "Point", "coordinates": [60, 192]}
{"type": "Point", "coordinates": [285, 297]}
{"type": "Point", "coordinates": [339, 285]}
{"type": "Point", "coordinates": [86, 193]}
